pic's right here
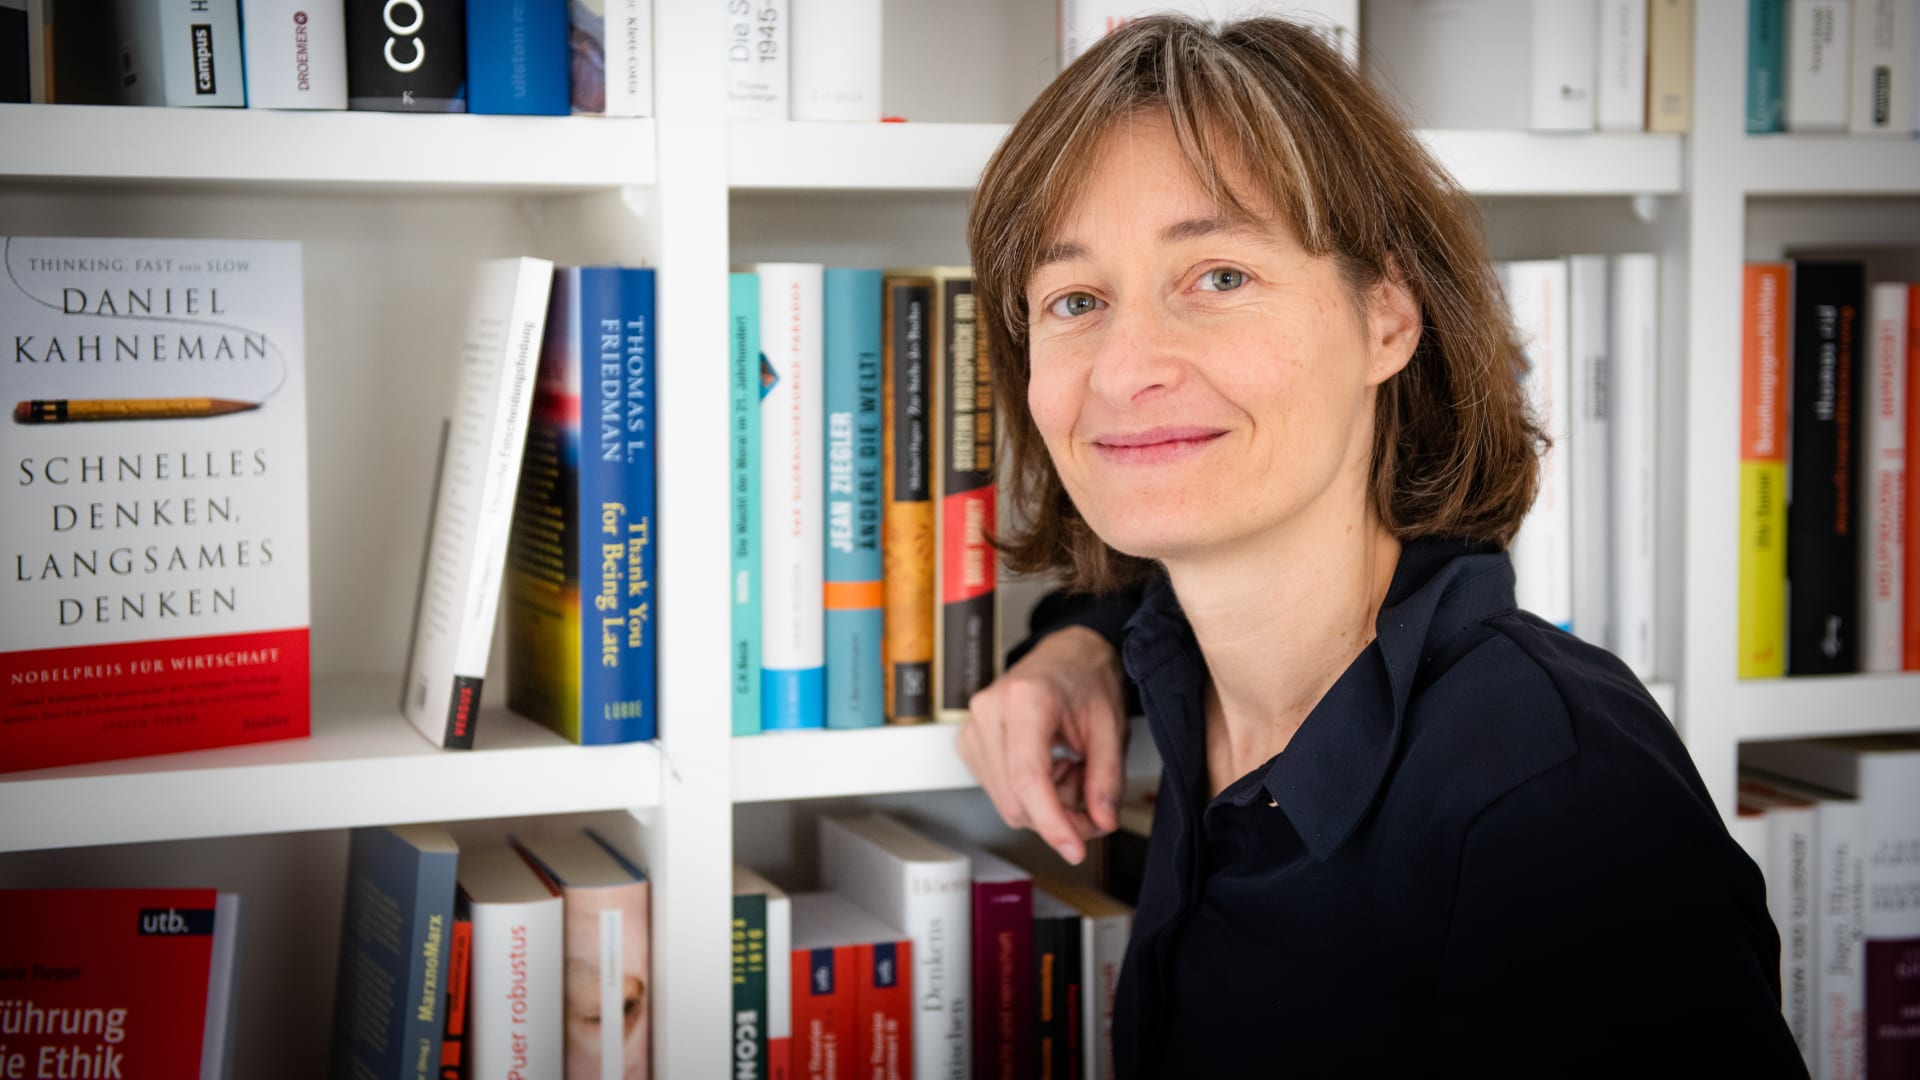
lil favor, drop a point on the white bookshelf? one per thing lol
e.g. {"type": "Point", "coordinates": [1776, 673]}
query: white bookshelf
{"type": "Point", "coordinates": [1825, 165]}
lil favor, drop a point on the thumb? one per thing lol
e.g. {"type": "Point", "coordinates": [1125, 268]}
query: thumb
{"type": "Point", "coordinates": [1105, 769]}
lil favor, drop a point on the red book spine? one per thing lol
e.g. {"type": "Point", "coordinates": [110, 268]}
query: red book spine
{"type": "Point", "coordinates": [453, 1048]}
{"type": "Point", "coordinates": [1910, 605]}
{"type": "Point", "coordinates": [885, 1038]}
{"type": "Point", "coordinates": [1004, 1046]}
{"type": "Point", "coordinates": [824, 1003]}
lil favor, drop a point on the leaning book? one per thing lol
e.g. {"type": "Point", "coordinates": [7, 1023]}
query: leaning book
{"type": "Point", "coordinates": [155, 516]}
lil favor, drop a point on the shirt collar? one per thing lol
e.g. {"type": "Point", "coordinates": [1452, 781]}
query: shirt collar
{"type": "Point", "coordinates": [1333, 768]}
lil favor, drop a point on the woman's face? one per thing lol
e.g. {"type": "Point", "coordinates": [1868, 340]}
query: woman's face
{"type": "Point", "coordinates": [1199, 381]}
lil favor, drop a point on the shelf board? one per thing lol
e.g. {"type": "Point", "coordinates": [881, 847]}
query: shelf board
{"type": "Point", "coordinates": [873, 761]}
{"type": "Point", "coordinates": [363, 765]}
{"type": "Point", "coordinates": [817, 156]}
{"type": "Point", "coordinates": [1815, 706]}
{"type": "Point", "coordinates": [325, 150]}
{"type": "Point", "coordinates": [1781, 165]}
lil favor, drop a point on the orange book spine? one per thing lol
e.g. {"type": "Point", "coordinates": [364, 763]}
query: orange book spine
{"type": "Point", "coordinates": [906, 502]}
{"type": "Point", "coordinates": [1910, 604]}
{"type": "Point", "coordinates": [1763, 472]}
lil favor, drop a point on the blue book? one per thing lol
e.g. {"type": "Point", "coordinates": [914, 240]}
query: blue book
{"type": "Point", "coordinates": [743, 462]}
{"type": "Point", "coordinates": [855, 689]}
{"type": "Point", "coordinates": [517, 57]}
{"type": "Point", "coordinates": [390, 1006]}
{"type": "Point", "coordinates": [1766, 65]}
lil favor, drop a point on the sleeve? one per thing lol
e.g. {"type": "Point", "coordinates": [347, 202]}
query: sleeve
{"type": "Point", "coordinates": [1105, 614]}
{"type": "Point", "coordinates": [1604, 920]}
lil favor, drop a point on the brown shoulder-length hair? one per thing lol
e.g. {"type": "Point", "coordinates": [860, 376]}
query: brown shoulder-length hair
{"type": "Point", "coordinates": [1455, 451]}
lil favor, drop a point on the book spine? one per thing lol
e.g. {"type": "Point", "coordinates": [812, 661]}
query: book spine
{"type": "Point", "coordinates": [885, 1039]}
{"type": "Point", "coordinates": [1822, 520]}
{"type": "Point", "coordinates": [517, 58]}
{"type": "Point", "coordinates": [779, 987]}
{"type": "Point", "coordinates": [855, 688]}
{"type": "Point", "coordinates": [429, 961]}
{"type": "Point", "coordinates": [453, 1044]}
{"type": "Point", "coordinates": [203, 61]}
{"type": "Point", "coordinates": [1003, 987]}
{"type": "Point", "coordinates": [823, 1013]}
{"type": "Point", "coordinates": [585, 690]}
{"type": "Point", "coordinates": [757, 59]}
{"type": "Point", "coordinates": [612, 58]}
{"type": "Point", "coordinates": [906, 499]}
{"type": "Point", "coordinates": [938, 923]}
{"type": "Point", "coordinates": [749, 1054]}
{"type": "Point", "coordinates": [394, 948]}
{"type": "Point", "coordinates": [1881, 102]}
{"type": "Point", "coordinates": [407, 55]}
{"type": "Point", "coordinates": [1058, 997]}
{"type": "Point", "coordinates": [744, 364]}
{"type": "Point", "coordinates": [1621, 86]}
{"type": "Point", "coordinates": [1564, 65]}
{"type": "Point", "coordinates": [1543, 551]}
{"type": "Point", "coordinates": [1839, 910]}
{"type": "Point", "coordinates": [1103, 944]}
{"type": "Point", "coordinates": [1790, 892]}
{"type": "Point", "coordinates": [1883, 479]}
{"type": "Point", "coordinates": [296, 53]}
{"type": "Point", "coordinates": [1910, 620]}
{"type": "Point", "coordinates": [518, 982]}
{"type": "Point", "coordinates": [1890, 799]}
{"type": "Point", "coordinates": [967, 635]}
{"type": "Point", "coordinates": [1763, 474]}
{"type": "Point", "coordinates": [1589, 449]}
{"type": "Point", "coordinates": [792, 651]}
{"type": "Point", "coordinates": [836, 60]}
{"type": "Point", "coordinates": [1636, 332]}
{"type": "Point", "coordinates": [1819, 41]}
{"type": "Point", "coordinates": [1670, 66]}
{"type": "Point", "coordinates": [39, 50]}
{"type": "Point", "coordinates": [1766, 66]}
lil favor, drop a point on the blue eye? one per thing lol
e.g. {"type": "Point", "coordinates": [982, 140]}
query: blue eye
{"type": "Point", "coordinates": [1074, 304]}
{"type": "Point", "coordinates": [1223, 279]}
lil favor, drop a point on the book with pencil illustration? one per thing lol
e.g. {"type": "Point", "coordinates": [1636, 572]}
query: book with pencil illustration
{"type": "Point", "coordinates": [155, 531]}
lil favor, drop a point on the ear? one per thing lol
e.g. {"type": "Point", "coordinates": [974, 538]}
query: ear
{"type": "Point", "coordinates": [1394, 324]}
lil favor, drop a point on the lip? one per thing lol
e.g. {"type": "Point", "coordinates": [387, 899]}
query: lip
{"type": "Point", "coordinates": [1155, 445]}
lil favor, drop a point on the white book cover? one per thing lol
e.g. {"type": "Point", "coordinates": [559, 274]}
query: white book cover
{"type": "Point", "coordinates": [517, 974]}
{"type": "Point", "coordinates": [181, 52]}
{"type": "Point", "coordinates": [1883, 479]}
{"type": "Point", "coordinates": [1881, 98]}
{"type": "Point", "coordinates": [1485, 64]}
{"type": "Point", "coordinates": [758, 62]}
{"type": "Point", "coordinates": [1791, 843]}
{"type": "Point", "coordinates": [479, 474]}
{"type": "Point", "coordinates": [925, 889]}
{"type": "Point", "coordinates": [1564, 65]}
{"type": "Point", "coordinates": [1590, 448]}
{"type": "Point", "coordinates": [779, 1018]}
{"type": "Point", "coordinates": [1542, 552]}
{"type": "Point", "coordinates": [154, 517]}
{"type": "Point", "coordinates": [612, 46]}
{"type": "Point", "coordinates": [1819, 47]}
{"type": "Point", "coordinates": [1620, 91]}
{"type": "Point", "coordinates": [1632, 399]}
{"type": "Point", "coordinates": [296, 53]}
{"type": "Point", "coordinates": [792, 496]}
{"type": "Point", "coordinates": [836, 60]}
{"type": "Point", "coordinates": [1083, 22]}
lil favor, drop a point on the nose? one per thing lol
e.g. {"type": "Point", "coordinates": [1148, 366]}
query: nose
{"type": "Point", "coordinates": [1138, 357]}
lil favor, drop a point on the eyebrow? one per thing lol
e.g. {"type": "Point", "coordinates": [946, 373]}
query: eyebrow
{"type": "Point", "coordinates": [1190, 229]}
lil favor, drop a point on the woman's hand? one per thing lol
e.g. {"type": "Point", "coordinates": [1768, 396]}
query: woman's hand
{"type": "Point", "coordinates": [1064, 693]}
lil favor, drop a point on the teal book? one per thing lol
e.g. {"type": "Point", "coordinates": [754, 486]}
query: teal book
{"type": "Point", "coordinates": [1766, 65]}
{"type": "Point", "coordinates": [855, 689]}
{"type": "Point", "coordinates": [744, 364]}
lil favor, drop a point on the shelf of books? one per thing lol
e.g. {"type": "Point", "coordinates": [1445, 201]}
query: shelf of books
{"type": "Point", "coordinates": [320, 149]}
{"type": "Point", "coordinates": [363, 765]}
{"type": "Point", "coordinates": [949, 157]}
{"type": "Point", "coordinates": [1838, 164]}
{"type": "Point", "coordinates": [1821, 706]}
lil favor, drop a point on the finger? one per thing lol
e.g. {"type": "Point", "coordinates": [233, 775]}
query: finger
{"type": "Point", "coordinates": [1029, 750]}
{"type": "Point", "coordinates": [1105, 768]}
{"type": "Point", "coordinates": [988, 761]}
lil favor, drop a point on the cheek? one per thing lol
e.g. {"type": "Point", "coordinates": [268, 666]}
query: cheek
{"type": "Point", "coordinates": [1054, 401]}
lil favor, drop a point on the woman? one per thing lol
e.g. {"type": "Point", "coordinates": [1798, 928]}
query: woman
{"type": "Point", "coordinates": [1262, 394]}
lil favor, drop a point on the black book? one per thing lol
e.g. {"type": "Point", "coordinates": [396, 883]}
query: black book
{"type": "Point", "coordinates": [1823, 562]}
{"type": "Point", "coordinates": [407, 55]}
{"type": "Point", "coordinates": [14, 85]}
{"type": "Point", "coordinates": [1059, 998]}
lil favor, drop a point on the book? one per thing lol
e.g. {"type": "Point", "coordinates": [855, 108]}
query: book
{"type": "Point", "coordinates": [389, 1007]}
{"type": "Point", "coordinates": [407, 55]}
{"type": "Point", "coordinates": [779, 962]}
{"type": "Point", "coordinates": [745, 389]}
{"type": "Point", "coordinates": [453, 1043]}
{"type": "Point", "coordinates": [1880, 100]}
{"type": "Point", "coordinates": [1883, 773]}
{"type": "Point", "coordinates": [179, 54]}
{"type": "Point", "coordinates": [296, 54]}
{"type": "Point", "coordinates": [1763, 472]}
{"type": "Point", "coordinates": [16, 42]}
{"type": "Point", "coordinates": [757, 59]}
{"type": "Point", "coordinates": [1790, 892]}
{"type": "Point", "coordinates": [825, 1021]}
{"type": "Point", "coordinates": [1542, 551]}
{"type": "Point", "coordinates": [120, 982]}
{"type": "Point", "coordinates": [80, 61]}
{"type": "Point", "coordinates": [1634, 397]}
{"type": "Point", "coordinates": [473, 507]}
{"type": "Point", "coordinates": [1059, 995]}
{"type": "Point", "coordinates": [1589, 448]}
{"type": "Point", "coordinates": [1766, 66]}
{"type": "Point", "coordinates": [906, 497]}
{"type": "Point", "coordinates": [156, 506]}
{"type": "Point", "coordinates": [1105, 925]}
{"type": "Point", "coordinates": [610, 54]}
{"type": "Point", "coordinates": [580, 585]}
{"type": "Point", "coordinates": [966, 631]}
{"type": "Point", "coordinates": [1083, 22]}
{"type": "Point", "coordinates": [1670, 66]}
{"type": "Point", "coordinates": [835, 66]}
{"type": "Point", "coordinates": [607, 938]}
{"type": "Point", "coordinates": [518, 58]}
{"type": "Point", "coordinates": [1620, 84]}
{"type": "Point", "coordinates": [1535, 62]}
{"type": "Point", "coordinates": [853, 594]}
{"type": "Point", "coordinates": [749, 939]}
{"type": "Point", "coordinates": [1004, 1047]}
{"type": "Point", "coordinates": [923, 888]}
{"type": "Point", "coordinates": [1823, 555]}
{"type": "Point", "coordinates": [792, 497]}
{"type": "Point", "coordinates": [517, 1020]}
{"type": "Point", "coordinates": [1883, 479]}
{"type": "Point", "coordinates": [1819, 39]}
{"type": "Point", "coordinates": [883, 992]}
{"type": "Point", "coordinates": [1910, 612]}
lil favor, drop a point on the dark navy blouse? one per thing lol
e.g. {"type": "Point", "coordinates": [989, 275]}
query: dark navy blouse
{"type": "Point", "coordinates": [1485, 852]}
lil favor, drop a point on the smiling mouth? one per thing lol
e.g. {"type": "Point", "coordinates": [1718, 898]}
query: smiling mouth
{"type": "Point", "coordinates": [1156, 446]}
